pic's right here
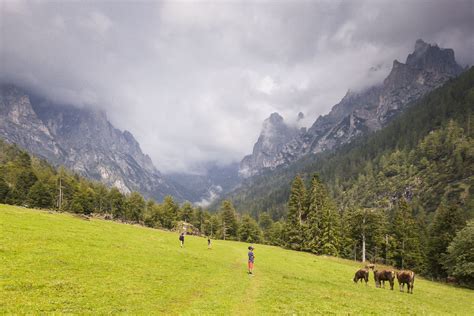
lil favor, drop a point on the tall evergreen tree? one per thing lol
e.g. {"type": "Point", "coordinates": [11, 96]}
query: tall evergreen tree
{"type": "Point", "coordinates": [404, 230]}
{"type": "Point", "coordinates": [169, 212]}
{"type": "Point", "coordinates": [265, 222]}
{"type": "Point", "coordinates": [249, 230]}
{"type": "Point", "coordinates": [199, 219]}
{"type": "Point", "coordinates": [276, 234]}
{"type": "Point", "coordinates": [100, 198]}
{"type": "Point", "coordinates": [229, 224]}
{"type": "Point", "coordinates": [297, 211]}
{"type": "Point", "coordinates": [330, 226]}
{"type": "Point", "coordinates": [186, 212]}
{"type": "Point", "coordinates": [346, 242]}
{"type": "Point", "coordinates": [322, 229]}
{"type": "Point", "coordinates": [448, 219]}
{"type": "Point", "coordinates": [135, 207]}
{"type": "Point", "coordinates": [116, 201]}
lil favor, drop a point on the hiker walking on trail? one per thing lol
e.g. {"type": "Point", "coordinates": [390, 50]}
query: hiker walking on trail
{"type": "Point", "coordinates": [209, 243]}
{"type": "Point", "coordinates": [181, 240]}
{"type": "Point", "coordinates": [251, 259]}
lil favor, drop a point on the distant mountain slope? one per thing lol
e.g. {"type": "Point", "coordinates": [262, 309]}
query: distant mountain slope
{"type": "Point", "coordinates": [204, 188]}
{"type": "Point", "coordinates": [83, 140]}
{"type": "Point", "coordinates": [274, 136]}
{"type": "Point", "coordinates": [427, 68]}
{"type": "Point", "coordinates": [341, 168]}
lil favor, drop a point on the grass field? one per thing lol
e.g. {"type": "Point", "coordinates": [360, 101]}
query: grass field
{"type": "Point", "coordinates": [61, 263]}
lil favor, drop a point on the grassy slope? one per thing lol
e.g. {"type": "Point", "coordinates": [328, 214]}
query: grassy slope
{"type": "Point", "coordinates": [57, 262]}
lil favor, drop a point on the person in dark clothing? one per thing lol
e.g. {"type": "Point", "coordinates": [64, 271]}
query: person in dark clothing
{"type": "Point", "coordinates": [251, 259]}
{"type": "Point", "coordinates": [209, 243]}
{"type": "Point", "coordinates": [181, 240]}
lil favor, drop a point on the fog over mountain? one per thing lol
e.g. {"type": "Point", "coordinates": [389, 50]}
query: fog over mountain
{"type": "Point", "coordinates": [193, 81]}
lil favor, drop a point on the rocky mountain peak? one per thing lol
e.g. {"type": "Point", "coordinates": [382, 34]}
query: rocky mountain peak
{"type": "Point", "coordinates": [431, 57]}
{"type": "Point", "coordinates": [361, 112]}
{"type": "Point", "coordinates": [274, 135]}
{"type": "Point", "coordinates": [273, 126]}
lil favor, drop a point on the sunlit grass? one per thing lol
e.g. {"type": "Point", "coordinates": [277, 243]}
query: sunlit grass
{"type": "Point", "coordinates": [60, 263]}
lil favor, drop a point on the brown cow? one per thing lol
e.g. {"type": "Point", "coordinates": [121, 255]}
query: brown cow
{"type": "Point", "coordinates": [382, 276]}
{"type": "Point", "coordinates": [408, 278]}
{"type": "Point", "coordinates": [362, 274]}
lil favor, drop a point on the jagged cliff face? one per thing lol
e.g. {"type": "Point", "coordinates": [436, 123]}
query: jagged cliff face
{"type": "Point", "coordinates": [274, 136]}
{"type": "Point", "coordinates": [82, 140]}
{"type": "Point", "coordinates": [427, 68]}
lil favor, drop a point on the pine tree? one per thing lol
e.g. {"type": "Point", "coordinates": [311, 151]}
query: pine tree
{"type": "Point", "coordinates": [135, 207]}
{"type": "Point", "coordinates": [83, 200]}
{"type": "Point", "coordinates": [24, 181]}
{"type": "Point", "coordinates": [265, 222]}
{"type": "Point", "coordinates": [40, 196]}
{"type": "Point", "coordinates": [297, 209]}
{"type": "Point", "coordinates": [330, 226]}
{"type": "Point", "coordinates": [116, 202]}
{"type": "Point", "coordinates": [198, 219]}
{"type": "Point", "coordinates": [459, 258]}
{"type": "Point", "coordinates": [100, 199]}
{"type": "Point", "coordinates": [4, 190]}
{"type": "Point", "coordinates": [406, 252]}
{"type": "Point", "coordinates": [448, 219]}
{"type": "Point", "coordinates": [169, 212]}
{"type": "Point", "coordinates": [186, 212]}
{"type": "Point", "coordinates": [249, 230]}
{"type": "Point", "coordinates": [276, 234]}
{"type": "Point", "coordinates": [322, 229]}
{"type": "Point", "coordinates": [346, 243]}
{"type": "Point", "coordinates": [229, 222]}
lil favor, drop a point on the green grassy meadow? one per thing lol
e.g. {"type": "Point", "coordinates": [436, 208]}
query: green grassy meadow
{"type": "Point", "coordinates": [60, 263]}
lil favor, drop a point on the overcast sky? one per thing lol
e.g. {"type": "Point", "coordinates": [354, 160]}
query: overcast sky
{"type": "Point", "coordinates": [193, 80]}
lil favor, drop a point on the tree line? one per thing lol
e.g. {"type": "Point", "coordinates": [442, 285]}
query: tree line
{"type": "Point", "coordinates": [29, 181]}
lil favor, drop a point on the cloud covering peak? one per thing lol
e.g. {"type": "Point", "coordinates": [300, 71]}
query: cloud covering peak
{"type": "Point", "coordinates": [193, 81]}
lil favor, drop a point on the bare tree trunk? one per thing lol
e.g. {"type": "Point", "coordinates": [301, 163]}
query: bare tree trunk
{"type": "Point", "coordinates": [223, 229]}
{"type": "Point", "coordinates": [355, 251]}
{"type": "Point", "coordinates": [363, 247]}
{"type": "Point", "coordinates": [363, 238]}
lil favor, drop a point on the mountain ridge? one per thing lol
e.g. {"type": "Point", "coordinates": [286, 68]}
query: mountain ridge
{"type": "Point", "coordinates": [425, 69]}
{"type": "Point", "coordinates": [82, 140]}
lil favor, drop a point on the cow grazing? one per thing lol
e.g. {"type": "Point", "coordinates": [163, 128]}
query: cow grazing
{"type": "Point", "coordinates": [370, 266]}
{"type": "Point", "coordinates": [362, 274]}
{"type": "Point", "coordinates": [408, 278]}
{"type": "Point", "coordinates": [385, 275]}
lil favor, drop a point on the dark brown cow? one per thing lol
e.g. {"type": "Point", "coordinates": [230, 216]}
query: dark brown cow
{"type": "Point", "coordinates": [408, 278]}
{"type": "Point", "coordinates": [382, 276]}
{"type": "Point", "coordinates": [362, 274]}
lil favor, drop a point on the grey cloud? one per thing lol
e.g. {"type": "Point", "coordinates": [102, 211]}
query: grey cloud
{"type": "Point", "coordinates": [193, 81]}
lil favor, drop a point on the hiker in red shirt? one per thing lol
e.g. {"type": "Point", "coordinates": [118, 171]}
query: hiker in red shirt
{"type": "Point", "coordinates": [251, 260]}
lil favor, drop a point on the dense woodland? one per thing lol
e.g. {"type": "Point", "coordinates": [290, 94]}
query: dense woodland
{"type": "Point", "coordinates": [31, 182]}
{"type": "Point", "coordinates": [405, 193]}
